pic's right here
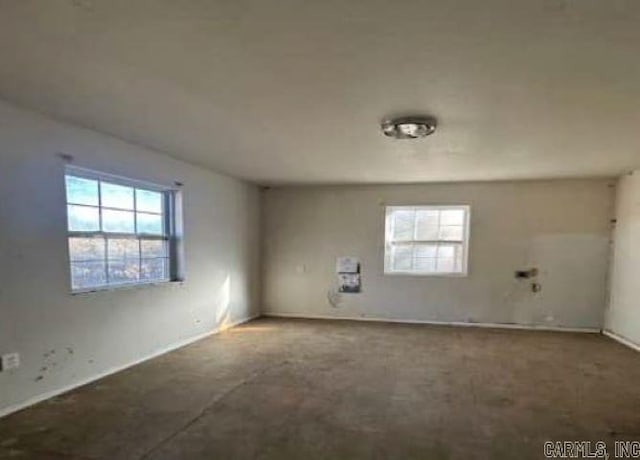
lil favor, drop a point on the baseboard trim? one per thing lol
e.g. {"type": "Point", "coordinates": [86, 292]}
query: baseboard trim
{"type": "Point", "coordinates": [530, 327]}
{"type": "Point", "coordinates": [623, 340]}
{"type": "Point", "coordinates": [174, 346]}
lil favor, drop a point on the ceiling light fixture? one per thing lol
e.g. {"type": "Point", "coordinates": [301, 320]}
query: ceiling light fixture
{"type": "Point", "coordinates": [409, 127]}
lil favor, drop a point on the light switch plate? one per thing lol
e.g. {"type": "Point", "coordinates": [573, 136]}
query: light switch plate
{"type": "Point", "coordinates": [10, 361]}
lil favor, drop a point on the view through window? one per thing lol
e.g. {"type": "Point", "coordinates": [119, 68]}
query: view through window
{"type": "Point", "coordinates": [118, 233]}
{"type": "Point", "coordinates": [426, 240]}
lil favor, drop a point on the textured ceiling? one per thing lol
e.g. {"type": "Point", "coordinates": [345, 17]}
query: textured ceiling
{"type": "Point", "coordinates": [292, 91]}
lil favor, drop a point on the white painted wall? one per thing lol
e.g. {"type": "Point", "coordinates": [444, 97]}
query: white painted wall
{"type": "Point", "coordinates": [77, 337]}
{"type": "Point", "coordinates": [623, 314]}
{"type": "Point", "coordinates": [562, 227]}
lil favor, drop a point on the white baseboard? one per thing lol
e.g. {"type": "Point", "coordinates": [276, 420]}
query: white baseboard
{"type": "Point", "coordinates": [174, 346]}
{"type": "Point", "coordinates": [534, 327]}
{"type": "Point", "coordinates": [623, 340]}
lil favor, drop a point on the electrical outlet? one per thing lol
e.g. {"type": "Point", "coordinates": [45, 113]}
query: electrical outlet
{"type": "Point", "coordinates": [9, 361]}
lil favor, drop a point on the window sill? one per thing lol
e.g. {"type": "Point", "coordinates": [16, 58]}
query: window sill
{"type": "Point", "coordinates": [128, 286]}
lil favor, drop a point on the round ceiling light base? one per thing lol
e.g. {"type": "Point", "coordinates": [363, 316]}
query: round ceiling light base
{"type": "Point", "coordinates": [409, 127]}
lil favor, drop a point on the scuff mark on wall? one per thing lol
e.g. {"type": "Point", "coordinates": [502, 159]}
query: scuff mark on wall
{"type": "Point", "coordinates": [54, 361]}
{"type": "Point", "coordinates": [334, 298]}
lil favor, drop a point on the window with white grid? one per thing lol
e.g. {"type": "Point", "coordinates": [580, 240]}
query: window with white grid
{"type": "Point", "coordinates": [119, 231]}
{"type": "Point", "coordinates": [426, 240]}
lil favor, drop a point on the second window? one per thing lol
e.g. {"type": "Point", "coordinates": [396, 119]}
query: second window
{"type": "Point", "coordinates": [426, 240]}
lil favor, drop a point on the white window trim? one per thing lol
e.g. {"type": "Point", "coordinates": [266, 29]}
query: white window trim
{"type": "Point", "coordinates": [171, 223]}
{"type": "Point", "coordinates": [465, 244]}
{"type": "Point", "coordinates": [119, 180]}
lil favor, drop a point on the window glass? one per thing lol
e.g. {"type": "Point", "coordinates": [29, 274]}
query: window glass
{"type": "Point", "coordinates": [149, 223]}
{"type": "Point", "coordinates": [117, 221]}
{"type": "Point", "coordinates": [425, 264]}
{"type": "Point", "coordinates": [452, 217]}
{"type": "Point", "coordinates": [154, 269]}
{"type": "Point", "coordinates": [82, 191]}
{"type": "Point", "coordinates": [116, 233]}
{"type": "Point", "coordinates": [123, 248]}
{"type": "Point", "coordinates": [87, 274]}
{"type": "Point", "coordinates": [83, 218]}
{"type": "Point", "coordinates": [402, 258]}
{"type": "Point", "coordinates": [451, 233]}
{"type": "Point", "coordinates": [426, 239]}
{"type": "Point", "coordinates": [403, 225]}
{"type": "Point", "coordinates": [116, 196]}
{"type": "Point", "coordinates": [426, 250]}
{"type": "Point", "coordinates": [148, 201]}
{"type": "Point", "coordinates": [83, 249]}
{"type": "Point", "coordinates": [153, 248]}
{"type": "Point", "coordinates": [123, 271]}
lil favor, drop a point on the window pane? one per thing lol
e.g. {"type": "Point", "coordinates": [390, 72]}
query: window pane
{"type": "Point", "coordinates": [123, 249]}
{"type": "Point", "coordinates": [86, 249]}
{"type": "Point", "coordinates": [446, 251]}
{"type": "Point", "coordinates": [123, 271]}
{"type": "Point", "coordinates": [445, 265]}
{"type": "Point", "coordinates": [452, 217]}
{"type": "Point", "coordinates": [154, 269]}
{"type": "Point", "coordinates": [427, 218]}
{"type": "Point", "coordinates": [403, 224]}
{"type": "Point", "coordinates": [402, 258]}
{"type": "Point", "coordinates": [425, 265]}
{"type": "Point", "coordinates": [87, 274]}
{"type": "Point", "coordinates": [426, 239]}
{"type": "Point", "coordinates": [149, 201]}
{"type": "Point", "coordinates": [451, 233]}
{"type": "Point", "coordinates": [117, 221]}
{"type": "Point", "coordinates": [83, 218]}
{"type": "Point", "coordinates": [81, 191]}
{"type": "Point", "coordinates": [129, 244]}
{"type": "Point", "coordinates": [149, 223]}
{"type": "Point", "coordinates": [427, 222]}
{"type": "Point", "coordinates": [116, 196]}
{"type": "Point", "coordinates": [153, 248]}
{"type": "Point", "coordinates": [426, 250]}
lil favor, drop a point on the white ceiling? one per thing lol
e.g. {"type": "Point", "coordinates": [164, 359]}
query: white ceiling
{"type": "Point", "coordinates": [292, 91]}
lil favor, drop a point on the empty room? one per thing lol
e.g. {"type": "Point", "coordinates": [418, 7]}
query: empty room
{"type": "Point", "coordinates": [339, 229]}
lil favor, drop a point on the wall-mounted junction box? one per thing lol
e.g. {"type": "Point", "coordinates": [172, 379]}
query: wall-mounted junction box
{"type": "Point", "coordinates": [9, 361]}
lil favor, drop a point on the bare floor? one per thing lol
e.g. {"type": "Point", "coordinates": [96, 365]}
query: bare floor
{"type": "Point", "coordinates": [298, 389]}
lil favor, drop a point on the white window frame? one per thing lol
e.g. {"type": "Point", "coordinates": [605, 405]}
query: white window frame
{"type": "Point", "coordinates": [388, 243]}
{"type": "Point", "coordinates": [171, 228]}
